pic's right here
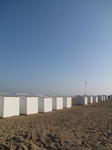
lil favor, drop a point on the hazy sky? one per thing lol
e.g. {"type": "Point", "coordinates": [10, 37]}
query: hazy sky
{"type": "Point", "coordinates": [54, 46]}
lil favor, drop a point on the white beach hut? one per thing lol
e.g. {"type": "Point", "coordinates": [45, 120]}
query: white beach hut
{"type": "Point", "coordinates": [9, 106]}
{"type": "Point", "coordinates": [28, 104]}
{"type": "Point", "coordinates": [100, 98]}
{"type": "Point", "coordinates": [57, 102]}
{"type": "Point", "coordinates": [104, 98]}
{"type": "Point", "coordinates": [44, 103]}
{"type": "Point", "coordinates": [82, 100]}
{"type": "Point", "coordinates": [67, 101]}
{"type": "Point", "coordinates": [90, 99]}
{"type": "Point", "coordinates": [95, 99]}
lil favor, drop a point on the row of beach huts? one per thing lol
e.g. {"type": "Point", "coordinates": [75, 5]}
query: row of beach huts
{"type": "Point", "coordinates": [84, 100]}
{"type": "Point", "coordinates": [31, 104]}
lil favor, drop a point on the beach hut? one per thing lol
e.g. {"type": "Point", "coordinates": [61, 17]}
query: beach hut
{"type": "Point", "coordinates": [74, 100]}
{"type": "Point", "coordinates": [57, 102]}
{"type": "Point", "coordinates": [95, 99]}
{"type": "Point", "coordinates": [110, 96]}
{"type": "Point", "coordinates": [90, 99]}
{"type": "Point", "coordinates": [28, 104]}
{"type": "Point", "coordinates": [100, 98]}
{"type": "Point", "coordinates": [82, 100]}
{"type": "Point", "coordinates": [104, 98]}
{"type": "Point", "coordinates": [9, 106]}
{"type": "Point", "coordinates": [44, 103]}
{"type": "Point", "coordinates": [67, 101]}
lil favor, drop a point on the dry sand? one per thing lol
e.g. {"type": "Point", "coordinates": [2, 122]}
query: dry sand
{"type": "Point", "coordinates": [78, 128]}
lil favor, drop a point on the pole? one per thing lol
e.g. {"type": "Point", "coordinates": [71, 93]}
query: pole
{"type": "Point", "coordinates": [85, 88]}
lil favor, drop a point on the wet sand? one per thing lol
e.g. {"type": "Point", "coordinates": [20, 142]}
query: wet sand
{"type": "Point", "coordinates": [77, 128]}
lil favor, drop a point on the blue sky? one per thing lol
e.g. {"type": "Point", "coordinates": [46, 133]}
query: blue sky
{"type": "Point", "coordinates": [55, 46]}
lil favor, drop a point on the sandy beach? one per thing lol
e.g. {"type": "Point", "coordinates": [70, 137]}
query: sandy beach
{"type": "Point", "coordinates": [77, 128]}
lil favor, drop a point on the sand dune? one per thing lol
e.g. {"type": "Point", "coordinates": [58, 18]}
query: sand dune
{"type": "Point", "coordinates": [76, 128]}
